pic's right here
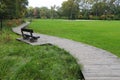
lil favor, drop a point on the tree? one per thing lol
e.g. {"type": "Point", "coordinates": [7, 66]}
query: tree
{"type": "Point", "coordinates": [30, 11]}
{"type": "Point", "coordinates": [21, 8]}
{"type": "Point", "coordinates": [15, 8]}
{"type": "Point", "coordinates": [59, 12]}
{"type": "Point", "coordinates": [70, 9]}
{"type": "Point", "coordinates": [12, 9]}
{"type": "Point", "coordinates": [99, 8]}
{"type": "Point", "coordinates": [53, 11]}
{"type": "Point", "coordinates": [36, 12]}
{"type": "Point", "coordinates": [44, 12]}
{"type": "Point", "coordinates": [117, 9]}
{"type": "Point", "coordinates": [2, 7]}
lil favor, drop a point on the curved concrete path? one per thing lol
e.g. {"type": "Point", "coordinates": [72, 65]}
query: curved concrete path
{"type": "Point", "coordinates": [97, 64]}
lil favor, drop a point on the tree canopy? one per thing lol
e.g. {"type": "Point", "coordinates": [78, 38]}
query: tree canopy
{"type": "Point", "coordinates": [70, 9]}
{"type": "Point", "coordinates": [13, 9]}
{"type": "Point", "coordinates": [81, 9]}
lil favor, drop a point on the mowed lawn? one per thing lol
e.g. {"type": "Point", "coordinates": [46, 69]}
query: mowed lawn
{"type": "Point", "coordinates": [101, 34]}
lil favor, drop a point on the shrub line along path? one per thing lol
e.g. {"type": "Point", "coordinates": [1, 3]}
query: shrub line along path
{"type": "Point", "coordinates": [97, 64]}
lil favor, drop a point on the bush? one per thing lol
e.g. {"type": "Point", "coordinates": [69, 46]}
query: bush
{"type": "Point", "coordinates": [95, 18]}
{"type": "Point", "coordinates": [103, 17]}
{"type": "Point", "coordinates": [80, 16]}
{"type": "Point", "coordinates": [91, 16]}
{"type": "Point", "coordinates": [14, 22]}
{"type": "Point", "coordinates": [9, 23]}
{"type": "Point", "coordinates": [116, 17]}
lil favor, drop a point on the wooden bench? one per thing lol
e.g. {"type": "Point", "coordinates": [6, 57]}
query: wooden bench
{"type": "Point", "coordinates": [27, 34]}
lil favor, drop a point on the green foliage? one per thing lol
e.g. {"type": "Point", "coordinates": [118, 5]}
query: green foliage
{"type": "Point", "coordinates": [102, 34]}
{"type": "Point", "coordinates": [20, 61]}
{"type": "Point", "coordinates": [2, 6]}
{"type": "Point", "coordinates": [70, 9]}
{"type": "Point", "coordinates": [99, 8]}
{"type": "Point", "coordinates": [14, 8]}
{"type": "Point", "coordinates": [79, 9]}
{"type": "Point", "coordinates": [44, 12]}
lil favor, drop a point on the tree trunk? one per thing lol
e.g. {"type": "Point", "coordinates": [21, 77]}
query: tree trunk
{"type": "Point", "coordinates": [1, 23]}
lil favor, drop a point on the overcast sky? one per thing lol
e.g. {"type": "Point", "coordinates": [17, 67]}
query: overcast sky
{"type": "Point", "coordinates": [46, 3]}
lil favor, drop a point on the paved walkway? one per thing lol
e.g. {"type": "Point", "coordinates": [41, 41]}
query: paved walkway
{"type": "Point", "coordinates": [97, 64]}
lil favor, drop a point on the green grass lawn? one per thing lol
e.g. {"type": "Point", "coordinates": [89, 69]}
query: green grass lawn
{"type": "Point", "coordinates": [102, 34]}
{"type": "Point", "coordinates": [20, 61]}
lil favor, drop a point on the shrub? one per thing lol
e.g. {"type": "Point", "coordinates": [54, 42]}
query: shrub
{"type": "Point", "coordinates": [95, 17]}
{"type": "Point", "coordinates": [14, 22]}
{"type": "Point", "coordinates": [103, 17]}
{"type": "Point", "coordinates": [9, 23]}
{"type": "Point", "coordinates": [91, 16]}
{"type": "Point", "coordinates": [80, 17]}
{"type": "Point", "coordinates": [116, 17]}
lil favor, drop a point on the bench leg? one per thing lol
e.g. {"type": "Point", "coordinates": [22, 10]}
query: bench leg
{"type": "Point", "coordinates": [25, 37]}
{"type": "Point", "coordinates": [33, 39]}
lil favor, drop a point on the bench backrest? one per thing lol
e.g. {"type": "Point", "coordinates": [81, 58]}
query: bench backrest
{"type": "Point", "coordinates": [26, 30]}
